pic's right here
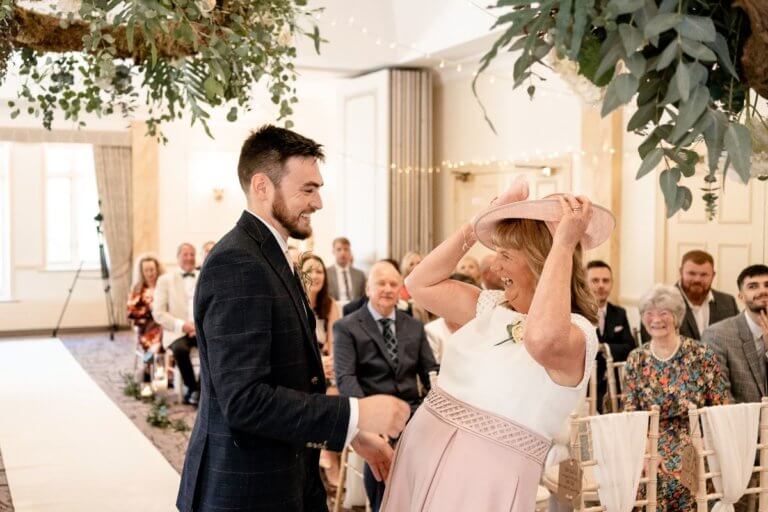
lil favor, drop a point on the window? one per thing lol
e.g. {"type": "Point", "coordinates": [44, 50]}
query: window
{"type": "Point", "coordinates": [71, 203]}
{"type": "Point", "coordinates": [5, 222]}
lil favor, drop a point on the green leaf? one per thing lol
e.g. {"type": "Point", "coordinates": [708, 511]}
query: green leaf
{"type": "Point", "coordinates": [697, 50]}
{"type": "Point", "coordinates": [684, 198]}
{"type": "Point", "coordinates": [642, 117]}
{"type": "Point", "coordinates": [661, 23]}
{"type": "Point", "coordinates": [713, 137]}
{"type": "Point", "coordinates": [589, 61]}
{"type": "Point", "coordinates": [668, 181]}
{"type": "Point", "coordinates": [213, 88]}
{"type": "Point", "coordinates": [697, 28]}
{"type": "Point", "coordinates": [667, 56]}
{"type": "Point", "coordinates": [683, 81]}
{"type": "Point", "coordinates": [723, 53]}
{"type": "Point", "coordinates": [738, 144]}
{"type": "Point", "coordinates": [651, 160]}
{"type": "Point", "coordinates": [649, 144]}
{"type": "Point", "coordinates": [636, 64]}
{"type": "Point", "coordinates": [619, 7]}
{"type": "Point", "coordinates": [232, 115]}
{"type": "Point", "coordinates": [316, 39]}
{"type": "Point", "coordinates": [612, 56]}
{"type": "Point", "coordinates": [562, 20]}
{"type": "Point", "coordinates": [631, 37]}
{"type": "Point", "coordinates": [690, 111]}
{"type": "Point", "coordinates": [579, 27]}
{"type": "Point", "coordinates": [620, 91]}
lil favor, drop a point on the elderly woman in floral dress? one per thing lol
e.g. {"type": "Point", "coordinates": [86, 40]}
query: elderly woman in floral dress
{"type": "Point", "coordinates": [671, 371]}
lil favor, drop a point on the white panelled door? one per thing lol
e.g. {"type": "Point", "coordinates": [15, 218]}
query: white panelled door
{"type": "Point", "coordinates": [736, 237]}
{"type": "Point", "coordinates": [363, 215]}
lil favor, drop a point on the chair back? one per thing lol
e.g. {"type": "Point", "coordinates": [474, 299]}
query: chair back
{"type": "Point", "coordinates": [348, 471]}
{"type": "Point", "coordinates": [581, 450]}
{"type": "Point", "coordinates": [591, 399]}
{"type": "Point", "coordinates": [704, 449]}
{"type": "Point", "coordinates": [614, 374]}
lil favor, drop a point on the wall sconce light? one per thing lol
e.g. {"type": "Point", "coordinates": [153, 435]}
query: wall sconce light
{"type": "Point", "coordinates": [218, 194]}
{"type": "Point", "coordinates": [547, 171]}
{"type": "Point", "coordinates": [462, 176]}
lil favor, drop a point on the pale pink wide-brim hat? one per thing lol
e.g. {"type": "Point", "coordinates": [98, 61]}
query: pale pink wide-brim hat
{"type": "Point", "coordinates": [548, 210]}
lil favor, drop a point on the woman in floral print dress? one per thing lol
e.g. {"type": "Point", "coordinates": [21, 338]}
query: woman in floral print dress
{"type": "Point", "coordinates": [671, 371]}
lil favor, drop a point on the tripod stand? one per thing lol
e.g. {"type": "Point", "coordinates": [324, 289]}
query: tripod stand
{"type": "Point", "coordinates": [104, 280]}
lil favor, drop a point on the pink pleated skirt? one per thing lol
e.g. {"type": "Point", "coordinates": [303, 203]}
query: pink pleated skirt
{"type": "Point", "coordinates": [453, 457]}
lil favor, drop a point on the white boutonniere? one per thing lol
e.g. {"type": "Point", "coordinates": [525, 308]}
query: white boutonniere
{"type": "Point", "coordinates": [514, 332]}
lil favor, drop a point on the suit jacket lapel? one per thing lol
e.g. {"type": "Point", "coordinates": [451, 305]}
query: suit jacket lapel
{"type": "Point", "coordinates": [688, 318]}
{"type": "Point", "coordinates": [371, 327]}
{"type": "Point", "coordinates": [754, 359]}
{"type": "Point", "coordinates": [277, 261]}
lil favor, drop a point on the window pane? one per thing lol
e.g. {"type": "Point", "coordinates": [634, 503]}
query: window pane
{"type": "Point", "coordinates": [58, 220]}
{"type": "Point", "coordinates": [87, 208]}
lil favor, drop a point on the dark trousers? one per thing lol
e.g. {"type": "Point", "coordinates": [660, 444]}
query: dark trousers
{"type": "Point", "coordinates": [373, 489]}
{"type": "Point", "coordinates": [180, 349]}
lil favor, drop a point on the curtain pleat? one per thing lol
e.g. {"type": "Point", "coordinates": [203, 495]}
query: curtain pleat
{"type": "Point", "coordinates": [412, 179]}
{"type": "Point", "coordinates": [114, 182]}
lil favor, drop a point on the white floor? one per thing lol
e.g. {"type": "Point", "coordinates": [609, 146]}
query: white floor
{"type": "Point", "coordinates": [66, 446]}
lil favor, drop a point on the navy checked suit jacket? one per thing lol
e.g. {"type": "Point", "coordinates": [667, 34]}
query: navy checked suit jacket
{"type": "Point", "coordinates": [263, 412]}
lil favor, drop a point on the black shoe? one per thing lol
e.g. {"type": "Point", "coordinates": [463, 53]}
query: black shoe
{"type": "Point", "coordinates": [192, 399]}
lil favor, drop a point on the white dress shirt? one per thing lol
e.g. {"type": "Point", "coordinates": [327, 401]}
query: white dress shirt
{"type": "Point", "coordinates": [701, 313]}
{"type": "Point", "coordinates": [353, 407]}
{"type": "Point", "coordinates": [189, 288]}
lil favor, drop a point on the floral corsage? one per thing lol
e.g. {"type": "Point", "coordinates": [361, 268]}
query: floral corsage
{"type": "Point", "coordinates": [515, 332]}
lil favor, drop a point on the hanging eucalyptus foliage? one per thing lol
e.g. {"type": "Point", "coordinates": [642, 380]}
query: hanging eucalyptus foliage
{"type": "Point", "coordinates": [681, 62]}
{"type": "Point", "coordinates": [165, 57]}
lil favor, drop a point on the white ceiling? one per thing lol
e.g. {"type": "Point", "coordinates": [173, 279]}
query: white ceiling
{"type": "Point", "coordinates": [364, 35]}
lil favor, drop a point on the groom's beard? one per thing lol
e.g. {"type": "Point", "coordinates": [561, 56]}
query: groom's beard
{"type": "Point", "coordinates": [289, 222]}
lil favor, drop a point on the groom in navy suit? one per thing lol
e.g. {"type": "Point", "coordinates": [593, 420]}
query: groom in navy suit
{"type": "Point", "coordinates": [263, 414]}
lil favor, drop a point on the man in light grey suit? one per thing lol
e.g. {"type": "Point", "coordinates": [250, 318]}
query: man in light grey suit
{"type": "Point", "coordinates": [345, 283]}
{"type": "Point", "coordinates": [740, 341]}
{"type": "Point", "coordinates": [379, 349]}
{"type": "Point", "coordinates": [172, 309]}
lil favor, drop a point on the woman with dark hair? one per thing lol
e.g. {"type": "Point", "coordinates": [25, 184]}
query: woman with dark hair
{"type": "Point", "coordinates": [139, 307]}
{"type": "Point", "coordinates": [326, 312]}
{"type": "Point", "coordinates": [517, 367]}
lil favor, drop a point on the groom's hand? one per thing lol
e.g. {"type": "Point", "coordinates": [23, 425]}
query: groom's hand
{"type": "Point", "coordinates": [376, 452]}
{"type": "Point", "coordinates": [382, 414]}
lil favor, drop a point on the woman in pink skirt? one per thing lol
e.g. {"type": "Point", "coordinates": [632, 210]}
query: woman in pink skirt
{"type": "Point", "coordinates": [515, 370]}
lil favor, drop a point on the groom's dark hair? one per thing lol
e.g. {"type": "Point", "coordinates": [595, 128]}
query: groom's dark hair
{"type": "Point", "coordinates": [267, 149]}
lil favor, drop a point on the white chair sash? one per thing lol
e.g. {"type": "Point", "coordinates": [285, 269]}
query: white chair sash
{"type": "Point", "coordinates": [731, 431]}
{"type": "Point", "coordinates": [618, 446]}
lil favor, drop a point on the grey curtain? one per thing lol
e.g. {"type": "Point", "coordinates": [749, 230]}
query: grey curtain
{"type": "Point", "coordinates": [412, 173]}
{"type": "Point", "coordinates": [113, 179]}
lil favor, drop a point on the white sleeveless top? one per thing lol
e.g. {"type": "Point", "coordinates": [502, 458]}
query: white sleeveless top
{"type": "Point", "coordinates": [504, 379]}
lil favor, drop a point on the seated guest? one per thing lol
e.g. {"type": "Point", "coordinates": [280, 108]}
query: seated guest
{"type": "Point", "coordinates": [172, 309]}
{"type": "Point", "coordinates": [704, 306]}
{"type": "Point", "coordinates": [150, 333]}
{"type": "Point", "coordinates": [613, 326]}
{"type": "Point", "coordinates": [671, 371]}
{"type": "Point", "coordinates": [489, 279]}
{"type": "Point", "coordinates": [407, 263]}
{"type": "Point", "coordinates": [440, 329]}
{"type": "Point", "coordinates": [469, 267]}
{"type": "Point", "coordinates": [345, 282]}
{"type": "Point", "coordinates": [326, 312]}
{"type": "Point", "coordinates": [740, 341]}
{"type": "Point", "coordinates": [206, 249]}
{"type": "Point", "coordinates": [380, 350]}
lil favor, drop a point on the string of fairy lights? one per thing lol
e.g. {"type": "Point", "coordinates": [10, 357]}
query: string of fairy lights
{"type": "Point", "coordinates": [462, 67]}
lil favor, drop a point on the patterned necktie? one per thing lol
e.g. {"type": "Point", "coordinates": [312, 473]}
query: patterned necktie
{"type": "Point", "coordinates": [389, 339]}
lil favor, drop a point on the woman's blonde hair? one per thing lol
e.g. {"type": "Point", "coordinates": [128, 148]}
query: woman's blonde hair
{"type": "Point", "coordinates": [138, 276]}
{"type": "Point", "coordinates": [533, 238]}
{"type": "Point", "coordinates": [406, 261]}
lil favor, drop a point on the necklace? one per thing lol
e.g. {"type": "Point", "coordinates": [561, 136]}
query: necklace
{"type": "Point", "coordinates": [670, 356]}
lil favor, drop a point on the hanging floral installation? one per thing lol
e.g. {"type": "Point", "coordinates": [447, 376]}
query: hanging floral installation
{"type": "Point", "coordinates": [695, 69]}
{"type": "Point", "coordinates": [167, 57]}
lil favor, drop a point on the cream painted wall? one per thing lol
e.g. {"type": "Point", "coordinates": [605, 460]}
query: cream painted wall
{"type": "Point", "coordinates": [187, 209]}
